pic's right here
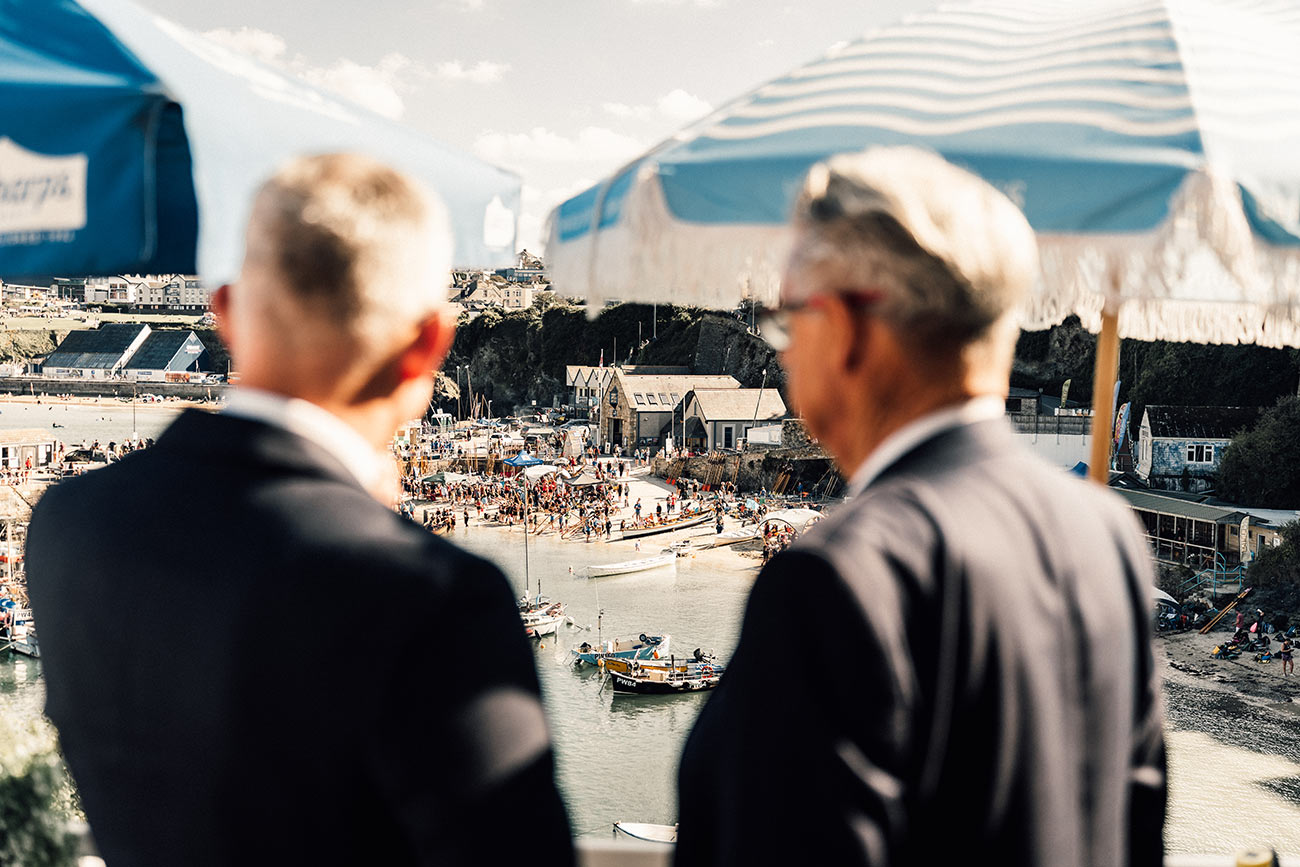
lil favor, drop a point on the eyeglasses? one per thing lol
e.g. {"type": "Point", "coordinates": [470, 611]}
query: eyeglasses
{"type": "Point", "coordinates": [774, 325]}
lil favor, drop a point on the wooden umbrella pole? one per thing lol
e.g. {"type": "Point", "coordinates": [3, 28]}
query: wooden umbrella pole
{"type": "Point", "coordinates": [1103, 387]}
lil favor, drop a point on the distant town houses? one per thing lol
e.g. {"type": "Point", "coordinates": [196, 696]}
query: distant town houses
{"type": "Point", "coordinates": [157, 293]}
{"type": "Point", "coordinates": [513, 288]}
{"type": "Point", "coordinates": [131, 351]}
{"type": "Point", "coordinates": [1179, 448]}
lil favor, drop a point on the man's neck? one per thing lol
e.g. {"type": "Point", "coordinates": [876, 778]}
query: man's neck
{"type": "Point", "coordinates": [373, 420]}
{"type": "Point", "coordinates": [874, 422]}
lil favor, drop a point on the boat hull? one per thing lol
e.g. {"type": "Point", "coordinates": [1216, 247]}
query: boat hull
{"type": "Point", "coordinates": [627, 568]}
{"type": "Point", "coordinates": [665, 528]}
{"type": "Point", "coordinates": [629, 685]}
{"type": "Point", "coordinates": [647, 832]}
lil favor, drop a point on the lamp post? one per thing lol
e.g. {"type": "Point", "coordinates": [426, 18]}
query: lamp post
{"type": "Point", "coordinates": [458, 413]}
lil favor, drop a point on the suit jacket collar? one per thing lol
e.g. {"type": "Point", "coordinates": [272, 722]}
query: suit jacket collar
{"type": "Point", "coordinates": [248, 443]}
{"type": "Point", "coordinates": [954, 447]}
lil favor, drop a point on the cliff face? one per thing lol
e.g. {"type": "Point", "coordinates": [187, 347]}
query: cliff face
{"type": "Point", "coordinates": [26, 345]}
{"type": "Point", "coordinates": [517, 357]}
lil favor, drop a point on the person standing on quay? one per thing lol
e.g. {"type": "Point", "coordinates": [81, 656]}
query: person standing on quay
{"type": "Point", "coordinates": [213, 705]}
{"type": "Point", "coordinates": [1024, 723]}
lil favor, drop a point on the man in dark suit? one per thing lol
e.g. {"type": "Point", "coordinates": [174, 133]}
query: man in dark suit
{"type": "Point", "coordinates": [955, 665]}
{"type": "Point", "coordinates": [250, 658]}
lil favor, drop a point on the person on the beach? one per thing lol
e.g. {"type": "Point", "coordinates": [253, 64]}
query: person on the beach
{"type": "Point", "coordinates": [1284, 654]}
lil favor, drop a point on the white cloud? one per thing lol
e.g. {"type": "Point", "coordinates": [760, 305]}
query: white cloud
{"type": "Point", "coordinates": [676, 106]}
{"type": "Point", "coordinates": [483, 72]}
{"type": "Point", "coordinates": [380, 87]}
{"type": "Point", "coordinates": [259, 44]}
{"type": "Point", "coordinates": [592, 144]}
{"type": "Point", "coordinates": [703, 4]}
{"type": "Point", "coordinates": [680, 105]}
{"type": "Point", "coordinates": [465, 5]}
{"type": "Point", "coordinates": [622, 110]}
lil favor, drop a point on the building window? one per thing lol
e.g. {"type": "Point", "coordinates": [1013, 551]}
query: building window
{"type": "Point", "coordinates": [663, 398]}
{"type": "Point", "coordinates": [640, 399]}
{"type": "Point", "coordinates": [651, 398]}
{"type": "Point", "coordinates": [1200, 453]}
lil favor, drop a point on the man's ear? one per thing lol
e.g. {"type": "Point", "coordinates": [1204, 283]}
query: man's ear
{"type": "Point", "coordinates": [842, 334]}
{"type": "Point", "coordinates": [429, 349]}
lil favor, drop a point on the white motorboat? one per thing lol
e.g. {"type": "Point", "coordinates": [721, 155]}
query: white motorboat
{"type": "Point", "coordinates": [666, 558]}
{"type": "Point", "coordinates": [647, 832]}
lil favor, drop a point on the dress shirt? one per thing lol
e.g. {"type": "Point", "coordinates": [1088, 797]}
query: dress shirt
{"type": "Point", "coordinates": [322, 427]}
{"type": "Point", "coordinates": [917, 431]}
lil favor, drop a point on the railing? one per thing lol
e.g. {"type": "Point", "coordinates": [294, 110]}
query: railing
{"type": "Point", "coordinates": [595, 852]}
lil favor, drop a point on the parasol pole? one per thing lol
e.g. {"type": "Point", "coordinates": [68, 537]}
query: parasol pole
{"type": "Point", "coordinates": [1103, 386]}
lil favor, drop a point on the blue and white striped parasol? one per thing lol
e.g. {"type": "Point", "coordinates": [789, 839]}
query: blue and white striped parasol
{"type": "Point", "coordinates": [1154, 146]}
{"type": "Point", "coordinates": [131, 144]}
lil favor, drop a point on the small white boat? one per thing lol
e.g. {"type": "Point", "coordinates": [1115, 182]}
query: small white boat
{"type": "Point", "coordinates": [545, 619]}
{"type": "Point", "coordinates": [731, 537]}
{"type": "Point", "coordinates": [647, 832]}
{"type": "Point", "coordinates": [665, 559]}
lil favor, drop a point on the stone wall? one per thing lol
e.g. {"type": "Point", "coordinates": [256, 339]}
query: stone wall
{"type": "Point", "coordinates": [110, 388]}
{"type": "Point", "coordinates": [779, 471]}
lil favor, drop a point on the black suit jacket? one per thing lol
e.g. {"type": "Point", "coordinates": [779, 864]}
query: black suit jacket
{"type": "Point", "coordinates": [250, 661]}
{"type": "Point", "coordinates": [973, 680]}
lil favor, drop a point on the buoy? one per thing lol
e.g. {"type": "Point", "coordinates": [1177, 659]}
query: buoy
{"type": "Point", "coordinates": [543, 646]}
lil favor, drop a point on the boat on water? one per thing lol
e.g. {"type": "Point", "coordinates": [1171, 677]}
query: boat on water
{"type": "Point", "coordinates": [664, 559]}
{"type": "Point", "coordinates": [663, 676]}
{"type": "Point", "coordinates": [540, 615]}
{"type": "Point", "coordinates": [18, 631]}
{"type": "Point", "coordinates": [646, 831]}
{"type": "Point", "coordinates": [667, 526]}
{"type": "Point", "coordinates": [643, 647]}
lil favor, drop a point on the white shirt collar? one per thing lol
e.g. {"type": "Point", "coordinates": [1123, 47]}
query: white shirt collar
{"type": "Point", "coordinates": [318, 425]}
{"type": "Point", "coordinates": [917, 431]}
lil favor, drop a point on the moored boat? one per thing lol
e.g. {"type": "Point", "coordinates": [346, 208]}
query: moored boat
{"type": "Point", "coordinates": [663, 676]}
{"type": "Point", "coordinates": [630, 566]}
{"type": "Point", "coordinates": [18, 631]}
{"type": "Point", "coordinates": [541, 616]}
{"type": "Point", "coordinates": [644, 647]}
{"type": "Point", "coordinates": [731, 537]}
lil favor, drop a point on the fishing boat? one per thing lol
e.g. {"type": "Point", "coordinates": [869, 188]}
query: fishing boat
{"type": "Point", "coordinates": [666, 558]}
{"type": "Point", "coordinates": [643, 647]}
{"type": "Point", "coordinates": [663, 676]}
{"type": "Point", "coordinates": [668, 526]}
{"type": "Point", "coordinates": [18, 631]}
{"type": "Point", "coordinates": [646, 831]}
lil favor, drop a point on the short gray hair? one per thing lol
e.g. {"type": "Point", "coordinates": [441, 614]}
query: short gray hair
{"type": "Point", "coordinates": [952, 255]}
{"type": "Point", "coordinates": [354, 241]}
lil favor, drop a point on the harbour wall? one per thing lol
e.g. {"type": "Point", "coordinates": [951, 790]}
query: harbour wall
{"type": "Point", "coordinates": [44, 385]}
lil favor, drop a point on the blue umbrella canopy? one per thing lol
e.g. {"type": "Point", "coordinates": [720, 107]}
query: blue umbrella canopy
{"type": "Point", "coordinates": [1151, 145]}
{"type": "Point", "coordinates": [523, 459]}
{"type": "Point", "coordinates": [130, 144]}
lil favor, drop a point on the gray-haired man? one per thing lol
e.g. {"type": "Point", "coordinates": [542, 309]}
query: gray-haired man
{"type": "Point", "coordinates": [288, 685]}
{"type": "Point", "coordinates": [955, 665]}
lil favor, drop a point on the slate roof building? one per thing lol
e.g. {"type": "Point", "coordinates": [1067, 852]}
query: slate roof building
{"type": "Point", "coordinates": [127, 349]}
{"type": "Point", "coordinates": [1179, 447]}
{"type": "Point", "coordinates": [716, 418]}
{"type": "Point", "coordinates": [167, 356]}
{"type": "Point", "coordinates": [639, 408]}
{"type": "Point", "coordinates": [96, 354]}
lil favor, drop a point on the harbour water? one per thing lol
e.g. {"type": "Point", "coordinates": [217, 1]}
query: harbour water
{"type": "Point", "coordinates": [1234, 765]}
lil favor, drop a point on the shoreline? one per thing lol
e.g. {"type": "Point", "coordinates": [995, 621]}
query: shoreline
{"type": "Point", "coordinates": [1187, 660]}
{"type": "Point", "coordinates": [55, 400]}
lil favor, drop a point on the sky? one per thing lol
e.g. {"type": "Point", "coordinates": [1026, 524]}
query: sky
{"type": "Point", "coordinates": [561, 92]}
